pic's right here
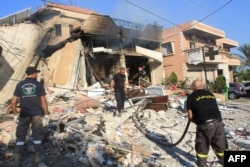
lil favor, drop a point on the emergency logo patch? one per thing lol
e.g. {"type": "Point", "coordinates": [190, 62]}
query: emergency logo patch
{"type": "Point", "coordinates": [29, 89]}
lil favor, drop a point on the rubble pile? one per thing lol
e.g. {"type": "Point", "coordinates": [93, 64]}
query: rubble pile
{"type": "Point", "coordinates": [84, 132]}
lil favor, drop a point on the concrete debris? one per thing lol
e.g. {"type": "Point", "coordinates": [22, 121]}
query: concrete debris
{"type": "Point", "coordinates": [243, 144]}
{"type": "Point", "coordinates": [84, 132]}
{"type": "Point", "coordinates": [154, 90]}
{"type": "Point", "coordinates": [8, 126]}
{"type": "Point", "coordinates": [5, 137]}
{"type": "Point", "coordinates": [86, 103]}
{"type": "Point", "coordinates": [177, 102]}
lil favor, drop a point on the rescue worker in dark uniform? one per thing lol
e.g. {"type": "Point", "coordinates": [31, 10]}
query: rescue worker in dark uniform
{"type": "Point", "coordinates": [118, 86]}
{"type": "Point", "coordinates": [143, 78]}
{"type": "Point", "coordinates": [204, 112]}
{"type": "Point", "coordinates": [34, 109]}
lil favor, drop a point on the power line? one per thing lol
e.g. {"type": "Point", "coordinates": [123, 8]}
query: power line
{"type": "Point", "coordinates": [234, 26]}
{"type": "Point", "coordinates": [203, 8]}
{"type": "Point", "coordinates": [217, 10]}
{"type": "Point", "coordinates": [154, 14]}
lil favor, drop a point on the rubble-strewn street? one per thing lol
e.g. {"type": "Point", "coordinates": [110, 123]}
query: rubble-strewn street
{"type": "Point", "coordinates": [83, 132]}
{"type": "Point", "coordinates": [79, 54]}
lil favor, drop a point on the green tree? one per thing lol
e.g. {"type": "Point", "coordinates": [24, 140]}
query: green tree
{"type": "Point", "coordinates": [183, 83]}
{"type": "Point", "coordinates": [245, 50]}
{"type": "Point", "coordinates": [220, 84]}
{"type": "Point", "coordinates": [171, 80]}
{"type": "Point", "coordinates": [243, 75]}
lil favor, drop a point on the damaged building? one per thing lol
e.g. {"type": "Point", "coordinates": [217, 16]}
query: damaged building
{"type": "Point", "coordinates": [188, 42]}
{"type": "Point", "coordinates": [75, 48]}
{"type": "Point", "coordinates": [78, 51]}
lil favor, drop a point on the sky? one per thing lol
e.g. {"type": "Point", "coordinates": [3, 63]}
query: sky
{"type": "Point", "coordinates": [230, 16]}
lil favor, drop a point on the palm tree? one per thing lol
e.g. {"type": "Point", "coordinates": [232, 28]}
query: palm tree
{"type": "Point", "coordinates": [243, 71]}
{"type": "Point", "coordinates": [242, 65]}
{"type": "Point", "coordinates": [245, 50]}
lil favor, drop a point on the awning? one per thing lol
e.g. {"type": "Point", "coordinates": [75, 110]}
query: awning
{"type": "Point", "coordinates": [101, 49]}
{"type": "Point", "coordinates": [157, 56]}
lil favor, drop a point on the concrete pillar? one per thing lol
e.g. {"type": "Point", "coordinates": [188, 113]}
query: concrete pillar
{"type": "Point", "coordinates": [123, 64]}
{"type": "Point", "coordinates": [82, 70]}
{"type": "Point", "coordinates": [122, 61]}
{"type": "Point", "coordinates": [226, 73]}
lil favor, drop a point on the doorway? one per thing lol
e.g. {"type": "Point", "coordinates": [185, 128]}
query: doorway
{"type": "Point", "coordinates": [132, 64]}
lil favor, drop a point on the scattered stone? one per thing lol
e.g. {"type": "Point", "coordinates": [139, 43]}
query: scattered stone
{"type": "Point", "coordinates": [87, 134]}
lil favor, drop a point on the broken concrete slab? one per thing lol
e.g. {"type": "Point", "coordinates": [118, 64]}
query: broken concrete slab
{"type": "Point", "coordinates": [126, 143]}
{"type": "Point", "coordinates": [8, 126]}
{"type": "Point", "coordinates": [117, 121]}
{"type": "Point", "coordinates": [84, 104]}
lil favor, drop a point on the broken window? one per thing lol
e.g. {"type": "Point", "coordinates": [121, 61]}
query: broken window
{"type": "Point", "coordinates": [167, 48]}
{"type": "Point", "coordinates": [6, 71]}
{"type": "Point", "coordinates": [58, 30]}
{"type": "Point", "coordinates": [70, 29]}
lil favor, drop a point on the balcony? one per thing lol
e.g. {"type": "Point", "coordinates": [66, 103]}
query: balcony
{"type": "Point", "coordinates": [224, 57]}
{"type": "Point", "coordinates": [221, 58]}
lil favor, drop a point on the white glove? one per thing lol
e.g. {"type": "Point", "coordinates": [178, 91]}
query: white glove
{"type": "Point", "coordinates": [15, 118]}
{"type": "Point", "coordinates": [45, 120]}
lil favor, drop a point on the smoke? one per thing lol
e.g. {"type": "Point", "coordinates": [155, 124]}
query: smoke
{"type": "Point", "coordinates": [125, 11]}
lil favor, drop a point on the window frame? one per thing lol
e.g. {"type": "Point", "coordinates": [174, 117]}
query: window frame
{"type": "Point", "coordinates": [58, 30]}
{"type": "Point", "coordinates": [167, 48]}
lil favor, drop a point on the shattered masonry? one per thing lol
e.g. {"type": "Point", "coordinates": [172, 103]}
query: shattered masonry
{"type": "Point", "coordinates": [78, 51]}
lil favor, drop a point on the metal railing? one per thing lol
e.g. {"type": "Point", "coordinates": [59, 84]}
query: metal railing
{"type": "Point", "coordinates": [15, 18]}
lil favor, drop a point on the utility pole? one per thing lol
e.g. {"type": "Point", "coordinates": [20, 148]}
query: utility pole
{"type": "Point", "coordinates": [200, 59]}
{"type": "Point", "coordinates": [211, 53]}
{"type": "Point", "coordinates": [205, 66]}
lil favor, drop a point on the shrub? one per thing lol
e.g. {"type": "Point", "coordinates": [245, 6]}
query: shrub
{"type": "Point", "coordinates": [171, 80]}
{"type": "Point", "coordinates": [183, 83]}
{"type": "Point", "coordinates": [220, 83]}
{"type": "Point", "coordinates": [211, 87]}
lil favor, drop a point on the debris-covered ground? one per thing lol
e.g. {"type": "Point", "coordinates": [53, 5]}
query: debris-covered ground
{"type": "Point", "coordinates": [84, 132]}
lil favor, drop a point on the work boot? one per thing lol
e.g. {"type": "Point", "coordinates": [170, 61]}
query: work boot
{"type": "Point", "coordinates": [17, 160]}
{"type": "Point", "coordinates": [202, 162]}
{"type": "Point", "coordinates": [37, 158]}
{"type": "Point", "coordinates": [114, 113]}
{"type": "Point", "coordinates": [119, 113]}
{"type": "Point", "coordinates": [221, 160]}
{"type": "Point", "coordinates": [123, 111]}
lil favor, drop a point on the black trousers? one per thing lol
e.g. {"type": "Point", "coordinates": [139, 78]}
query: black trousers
{"type": "Point", "coordinates": [22, 130]}
{"type": "Point", "coordinates": [211, 134]}
{"type": "Point", "coordinates": [120, 97]}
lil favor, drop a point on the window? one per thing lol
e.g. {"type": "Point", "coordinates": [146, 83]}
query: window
{"type": "Point", "coordinates": [167, 48]}
{"type": "Point", "coordinates": [220, 72]}
{"type": "Point", "coordinates": [70, 29]}
{"type": "Point", "coordinates": [192, 45]}
{"type": "Point", "coordinates": [58, 30]}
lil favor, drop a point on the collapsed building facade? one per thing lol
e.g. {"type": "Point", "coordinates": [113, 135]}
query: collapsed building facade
{"type": "Point", "coordinates": [75, 48]}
